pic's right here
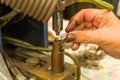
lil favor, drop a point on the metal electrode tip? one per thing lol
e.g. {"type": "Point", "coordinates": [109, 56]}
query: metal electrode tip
{"type": "Point", "coordinates": [57, 33]}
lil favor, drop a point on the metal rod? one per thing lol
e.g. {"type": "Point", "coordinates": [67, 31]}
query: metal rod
{"type": "Point", "coordinates": [57, 60]}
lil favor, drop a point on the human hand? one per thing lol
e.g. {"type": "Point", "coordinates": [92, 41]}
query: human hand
{"type": "Point", "coordinates": [97, 26]}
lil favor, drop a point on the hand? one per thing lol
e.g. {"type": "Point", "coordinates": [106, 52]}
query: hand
{"type": "Point", "coordinates": [97, 26]}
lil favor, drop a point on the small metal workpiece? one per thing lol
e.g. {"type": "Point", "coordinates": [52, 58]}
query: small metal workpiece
{"type": "Point", "coordinates": [65, 37]}
{"type": "Point", "coordinates": [62, 36]}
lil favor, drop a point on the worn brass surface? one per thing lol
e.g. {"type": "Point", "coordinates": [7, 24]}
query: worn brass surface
{"type": "Point", "coordinates": [57, 58]}
{"type": "Point", "coordinates": [45, 73]}
{"type": "Point", "coordinates": [42, 70]}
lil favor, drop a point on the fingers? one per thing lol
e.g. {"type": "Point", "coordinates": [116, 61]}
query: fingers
{"type": "Point", "coordinates": [81, 17]}
{"type": "Point", "coordinates": [87, 36]}
{"type": "Point", "coordinates": [72, 25]}
{"type": "Point", "coordinates": [75, 46]}
{"type": "Point", "coordinates": [78, 37]}
{"type": "Point", "coordinates": [91, 16]}
{"type": "Point", "coordinates": [85, 26]}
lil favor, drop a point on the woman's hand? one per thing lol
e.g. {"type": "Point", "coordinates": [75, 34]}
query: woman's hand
{"type": "Point", "coordinates": [97, 26]}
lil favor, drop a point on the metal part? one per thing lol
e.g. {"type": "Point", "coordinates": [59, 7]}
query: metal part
{"type": "Point", "coordinates": [57, 60]}
{"type": "Point", "coordinates": [43, 72]}
{"type": "Point", "coordinates": [58, 17]}
{"type": "Point", "coordinates": [62, 36]}
{"type": "Point", "coordinates": [38, 9]}
{"type": "Point", "coordinates": [58, 22]}
{"type": "Point", "coordinates": [65, 37]}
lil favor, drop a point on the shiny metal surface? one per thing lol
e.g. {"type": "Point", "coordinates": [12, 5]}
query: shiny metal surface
{"type": "Point", "coordinates": [58, 22]}
{"type": "Point", "coordinates": [57, 59]}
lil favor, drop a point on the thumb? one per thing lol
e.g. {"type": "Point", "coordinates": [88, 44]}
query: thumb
{"type": "Point", "coordinates": [86, 36]}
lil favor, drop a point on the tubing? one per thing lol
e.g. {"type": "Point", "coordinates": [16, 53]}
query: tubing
{"type": "Point", "coordinates": [38, 9]}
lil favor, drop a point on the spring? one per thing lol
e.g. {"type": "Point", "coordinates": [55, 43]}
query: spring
{"type": "Point", "coordinates": [38, 9]}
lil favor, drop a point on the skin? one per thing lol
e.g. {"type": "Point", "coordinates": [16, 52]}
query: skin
{"type": "Point", "coordinates": [97, 26]}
